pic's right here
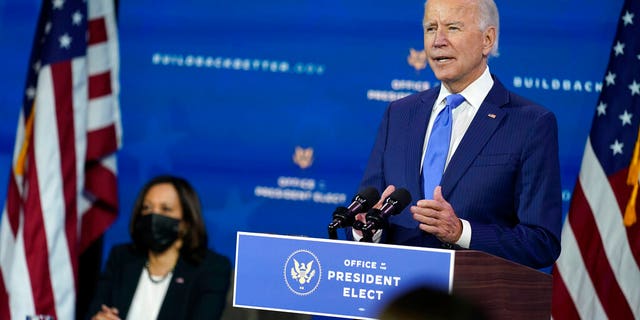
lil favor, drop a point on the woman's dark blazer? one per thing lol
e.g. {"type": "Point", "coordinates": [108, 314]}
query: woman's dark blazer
{"type": "Point", "coordinates": [197, 291]}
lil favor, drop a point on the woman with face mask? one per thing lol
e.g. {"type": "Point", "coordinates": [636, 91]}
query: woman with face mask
{"type": "Point", "coordinates": [167, 272]}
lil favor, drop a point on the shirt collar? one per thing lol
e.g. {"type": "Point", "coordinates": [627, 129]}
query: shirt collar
{"type": "Point", "coordinates": [474, 93]}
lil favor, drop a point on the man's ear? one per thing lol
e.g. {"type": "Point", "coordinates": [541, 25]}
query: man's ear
{"type": "Point", "coordinates": [488, 40]}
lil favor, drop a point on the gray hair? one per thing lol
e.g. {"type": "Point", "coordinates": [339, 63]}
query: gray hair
{"type": "Point", "coordinates": [489, 17]}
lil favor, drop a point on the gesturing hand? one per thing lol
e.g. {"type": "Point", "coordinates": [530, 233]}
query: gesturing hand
{"type": "Point", "coordinates": [438, 218]}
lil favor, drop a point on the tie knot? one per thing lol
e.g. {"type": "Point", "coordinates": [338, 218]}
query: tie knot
{"type": "Point", "coordinates": [454, 100]}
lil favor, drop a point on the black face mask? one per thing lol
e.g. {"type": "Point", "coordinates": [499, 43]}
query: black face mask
{"type": "Point", "coordinates": [156, 232]}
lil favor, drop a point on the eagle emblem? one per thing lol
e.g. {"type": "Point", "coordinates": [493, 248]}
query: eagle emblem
{"type": "Point", "coordinates": [302, 272]}
{"type": "Point", "coordinates": [303, 157]}
{"type": "Point", "coordinates": [300, 276]}
{"type": "Point", "coordinates": [417, 59]}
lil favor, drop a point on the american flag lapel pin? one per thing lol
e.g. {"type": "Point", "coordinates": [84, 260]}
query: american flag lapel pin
{"type": "Point", "coordinates": [180, 280]}
{"type": "Point", "coordinates": [491, 115]}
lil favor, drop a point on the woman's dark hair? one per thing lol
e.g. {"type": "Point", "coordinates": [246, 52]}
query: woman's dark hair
{"type": "Point", "coordinates": [194, 238]}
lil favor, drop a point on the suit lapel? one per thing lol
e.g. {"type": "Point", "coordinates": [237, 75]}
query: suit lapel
{"type": "Point", "coordinates": [485, 122]}
{"type": "Point", "coordinates": [176, 293]}
{"type": "Point", "coordinates": [131, 276]}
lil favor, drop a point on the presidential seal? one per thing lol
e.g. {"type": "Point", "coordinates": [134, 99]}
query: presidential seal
{"type": "Point", "coordinates": [302, 272]}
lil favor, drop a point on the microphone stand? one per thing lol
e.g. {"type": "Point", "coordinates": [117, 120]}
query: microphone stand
{"type": "Point", "coordinates": [333, 233]}
{"type": "Point", "coordinates": [375, 221]}
{"type": "Point", "coordinates": [367, 235]}
{"type": "Point", "coordinates": [340, 218]}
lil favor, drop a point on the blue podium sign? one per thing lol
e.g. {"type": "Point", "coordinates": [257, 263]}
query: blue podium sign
{"type": "Point", "coordinates": [331, 277]}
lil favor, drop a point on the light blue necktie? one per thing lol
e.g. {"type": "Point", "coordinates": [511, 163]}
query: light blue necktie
{"type": "Point", "coordinates": [438, 147]}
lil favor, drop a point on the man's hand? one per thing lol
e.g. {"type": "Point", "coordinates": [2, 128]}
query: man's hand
{"type": "Point", "coordinates": [438, 218]}
{"type": "Point", "coordinates": [362, 216]}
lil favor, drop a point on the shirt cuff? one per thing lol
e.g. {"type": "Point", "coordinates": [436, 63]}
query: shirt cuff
{"type": "Point", "coordinates": [465, 237]}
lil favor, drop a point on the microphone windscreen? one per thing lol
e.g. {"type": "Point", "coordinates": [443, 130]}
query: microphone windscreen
{"type": "Point", "coordinates": [403, 198]}
{"type": "Point", "coordinates": [371, 197]}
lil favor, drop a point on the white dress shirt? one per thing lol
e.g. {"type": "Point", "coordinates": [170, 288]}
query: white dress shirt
{"type": "Point", "coordinates": [149, 296]}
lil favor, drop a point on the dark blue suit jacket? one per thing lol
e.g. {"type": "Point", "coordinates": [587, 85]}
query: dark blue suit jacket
{"type": "Point", "coordinates": [503, 178]}
{"type": "Point", "coordinates": [197, 291]}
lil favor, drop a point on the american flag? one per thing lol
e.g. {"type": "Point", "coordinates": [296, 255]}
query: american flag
{"type": "Point", "coordinates": [597, 274]}
{"type": "Point", "coordinates": [62, 192]}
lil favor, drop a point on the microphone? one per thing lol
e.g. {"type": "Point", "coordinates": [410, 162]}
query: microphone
{"type": "Point", "coordinates": [362, 202]}
{"type": "Point", "coordinates": [394, 204]}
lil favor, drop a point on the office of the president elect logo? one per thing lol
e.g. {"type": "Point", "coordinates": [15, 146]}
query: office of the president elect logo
{"type": "Point", "coordinates": [302, 272]}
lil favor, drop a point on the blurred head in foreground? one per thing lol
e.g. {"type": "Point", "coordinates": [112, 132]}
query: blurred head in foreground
{"type": "Point", "coordinates": [427, 303]}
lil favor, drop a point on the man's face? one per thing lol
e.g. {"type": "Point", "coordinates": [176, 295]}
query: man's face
{"type": "Point", "coordinates": [456, 48]}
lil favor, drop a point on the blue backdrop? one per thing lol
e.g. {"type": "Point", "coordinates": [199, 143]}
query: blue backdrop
{"type": "Point", "coordinates": [224, 92]}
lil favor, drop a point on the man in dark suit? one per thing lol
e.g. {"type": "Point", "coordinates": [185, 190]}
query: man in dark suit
{"type": "Point", "coordinates": [498, 188]}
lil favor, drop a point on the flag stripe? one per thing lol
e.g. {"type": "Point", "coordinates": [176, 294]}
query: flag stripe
{"type": "Point", "coordinates": [13, 205]}
{"type": "Point", "coordinates": [101, 116]}
{"type": "Point", "coordinates": [102, 61]}
{"type": "Point", "coordinates": [634, 239]}
{"type": "Point", "coordinates": [99, 85]}
{"type": "Point", "coordinates": [577, 281]}
{"type": "Point", "coordinates": [97, 31]}
{"type": "Point", "coordinates": [35, 243]}
{"type": "Point", "coordinates": [16, 275]}
{"type": "Point", "coordinates": [562, 309]}
{"type": "Point", "coordinates": [4, 299]}
{"type": "Point", "coordinates": [93, 222]}
{"type": "Point", "coordinates": [101, 190]}
{"type": "Point", "coordinates": [63, 89]}
{"type": "Point", "coordinates": [65, 80]}
{"type": "Point", "coordinates": [597, 265]}
{"type": "Point", "coordinates": [101, 141]}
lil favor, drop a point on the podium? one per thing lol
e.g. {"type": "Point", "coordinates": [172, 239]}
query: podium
{"type": "Point", "coordinates": [356, 280]}
{"type": "Point", "coordinates": [504, 289]}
